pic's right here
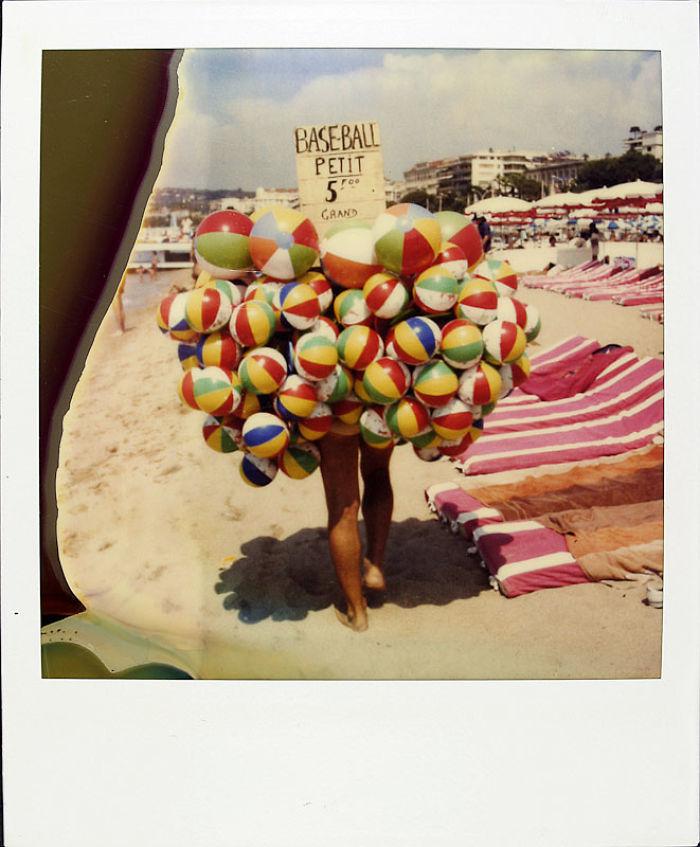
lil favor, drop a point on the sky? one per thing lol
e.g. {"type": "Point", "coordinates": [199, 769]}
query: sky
{"type": "Point", "coordinates": [237, 109]}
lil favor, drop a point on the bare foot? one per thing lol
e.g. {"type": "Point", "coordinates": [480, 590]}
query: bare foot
{"type": "Point", "coordinates": [373, 577]}
{"type": "Point", "coordinates": [355, 621]}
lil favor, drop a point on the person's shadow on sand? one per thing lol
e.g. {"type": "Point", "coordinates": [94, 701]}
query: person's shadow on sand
{"type": "Point", "coordinates": [285, 580]}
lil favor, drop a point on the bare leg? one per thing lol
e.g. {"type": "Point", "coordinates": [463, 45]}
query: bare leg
{"type": "Point", "coordinates": [342, 488]}
{"type": "Point", "coordinates": [377, 507]}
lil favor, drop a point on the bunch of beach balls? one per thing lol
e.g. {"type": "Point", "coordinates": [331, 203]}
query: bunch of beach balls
{"type": "Point", "coordinates": [406, 330]}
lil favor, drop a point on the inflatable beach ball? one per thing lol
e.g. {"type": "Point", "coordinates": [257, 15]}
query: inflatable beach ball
{"type": "Point", "coordinates": [328, 327]}
{"type": "Point", "coordinates": [211, 390]}
{"type": "Point", "coordinates": [451, 258]}
{"type": "Point", "coordinates": [427, 439]}
{"type": "Point", "coordinates": [187, 354]}
{"type": "Point", "coordinates": [163, 313]}
{"type": "Point", "coordinates": [477, 301]}
{"type": "Point", "coordinates": [435, 291]}
{"type": "Point", "coordinates": [374, 430]}
{"type": "Point", "coordinates": [232, 292]}
{"type": "Point", "coordinates": [317, 424]}
{"type": "Point", "coordinates": [220, 349]}
{"type": "Point", "coordinates": [265, 435]}
{"type": "Point", "coordinates": [461, 345]}
{"type": "Point", "coordinates": [256, 471]}
{"type": "Point", "coordinates": [321, 287]}
{"type": "Point", "coordinates": [351, 309]}
{"type": "Point", "coordinates": [221, 244]}
{"type": "Point", "coordinates": [416, 340]}
{"type": "Point", "coordinates": [207, 309]}
{"type": "Point", "coordinates": [455, 447]}
{"type": "Point", "coordinates": [299, 460]}
{"type": "Point", "coordinates": [386, 296]}
{"type": "Point", "coordinates": [263, 370]}
{"type": "Point", "coordinates": [296, 398]}
{"type": "Point", "coordinates": [262, 290]}
{"type": "Point", "coordinates": [427, 454]}
{"type": "Point", "coordinates": [500, 273]}
{"type": "Point", "coordinates": [347, 254]}
{"type": "Point", "coordinates": [504, 342]}
{"type": "Point", "coordinates": [480, 385]}
{"type": "Point", "coordinates": [222, 434]}
{"type": "Point", "coordinates": [252, 323]}
{"type": "Point", "coordinates": [510, 309]}
{"type": "Point", "coordinates": [361, 392]}
{"type": "Point", "coordinates": [349, 409]}
{"type": "Point", "coordinates": [532, 323]}
{"type": "Point", "coordinates": [407, 418]}
{"type": "Point", "coordinates": [249, 405]}
{"type": "Point", "coordinates": [453, 420]}
{"type": "Point", "coordinates": [514, 374]}
{"type": "Point", "coordinates": [315, 356]}
{"type": "Point", "coordinates": [298, 304]}
{"type": "Point", "coordinates": [283, 243]}
{"type": "Point", "coordinates": [359, 346]}
{"type": "Point", "coordinates": [435, 383]}
{"type": "Point", "coordinates": [386, 380]}
{"type": "Point", "coordinates": [406, 238]}
{"type": "Point", "coordinates": [172, 318]}
{"type": "Point", "coordinates": [336, 386]}
{"type": "Point", "coordinates": [459, 230]}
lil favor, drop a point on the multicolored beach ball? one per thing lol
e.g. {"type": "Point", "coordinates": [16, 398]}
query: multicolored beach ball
{"type": "Point", "coordinates": [462, 345]}
{"type": "Point", "coordinates": [296, 398]}
{"type": "Point", "coordinates": [416, 340]}
{"type": "Point", "coordinates": [336, 386]}
{"type": "Point", "coordinates": [435, 383]}
{"type": "Point", "coordinates": [514, 374]}
{"type": "Point", "coordinates": [252, 323]}
{"type": "Point", "coordinates": [317, 424]}
{"type": "Point", "coordinates": [228, 289]}
{"type": "Point", "coordinates": [480, 385]}
{"type": "Point", "coordinates": [407, 418]}
{"type": "Point", "coordinates": [453, 420]}
{"type": "Point", "coordinates": [452, 258]}
{"type": "Point", "coordinates": [222, 246]}
{"type": "Point", "coordinates": [256, 471]}
{"type": "Point", "coordinates": [500, 273]}
{"type": "Point", "coordinates": [263, 370]}
{"type": "Point", "coordinates": [385, 295]}
{"type": "Point", "coordinates": [351, 309]}
{"type": "Point", "coordinates": [321, 286]}
{"type": "Point", "coordinates": [328, 327]}
{"type": "Point", "coordinates": [223, 434]}
{"type": "Point", "coordinates": [187, 354]}
{"type": "Point", "coordinates": [211, 390]}
{"type": "Point", "coordinates": [386, 380]}
{"type": "Point", "coordinates": [265, 435]}
{"type": "Point", "coordinates": [428, 438]}
{"type": "Point", "coordinates": [532, 324]}
{"type": "Point", "coordinates": [358, 346]}
{"type": "Point", "coordinates": [504, 342]}
{"type": "Point", "coordinates": [347, 254]}
{"type": "Point", "coordinates": [349, 409]}
{"type": "Point", "coordinates": [435, 291]}
{"type": "Point", "coordinates": [407, 238]}
{"type": "Point", "coordinates": [459, 230]}
{"type": "Point", "coordinates": [263, 290]}
{"type": "Point", "coordinates": [374, 430]}
{"type": "Point", "coordinates": [283, 243]}
{"type": "Point", "coordinates": [220, 349]}
{"type": "Point", "coordinates": [315, 356]}
{"type": "Point", "coordinates": [299, 461]}
{"type": "Point", "coordinates": [207, 309]}
{"type": "Point", "coordinates": [477, 301]}
{"type": "Point", "coordinates": [299, 305]}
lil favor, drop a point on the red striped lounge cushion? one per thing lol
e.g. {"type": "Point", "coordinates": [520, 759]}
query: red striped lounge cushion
{"type": "Point", "coordinates": [460, 510]}
{"type": "Point", "coordinates": [524, 556]}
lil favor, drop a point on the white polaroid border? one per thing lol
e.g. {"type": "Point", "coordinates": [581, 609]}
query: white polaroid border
{"type": "Point", "coordinates": [374, 763]}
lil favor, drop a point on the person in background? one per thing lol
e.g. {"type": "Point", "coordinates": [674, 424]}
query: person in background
{"type": "Point", "coordinates": [154, 265]}
{"type": "Point", "coordinates": [552, 241]}
{"type": "Point", "coordinates": [594, 236]}
{"type": "Point", "coordinates": [119, 305]}
{"type": "Point", "coordinates": [484, 232]}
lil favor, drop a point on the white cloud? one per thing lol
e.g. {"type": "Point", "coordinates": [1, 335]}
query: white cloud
{"type": "Point", "coordinates": [428, 105]}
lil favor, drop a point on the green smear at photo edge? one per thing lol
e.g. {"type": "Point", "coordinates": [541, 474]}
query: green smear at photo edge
{"type": "Point", "coordinates": [71, 661]}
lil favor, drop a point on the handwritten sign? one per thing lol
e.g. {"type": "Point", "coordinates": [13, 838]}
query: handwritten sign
{"type": "Point", "coordinates": [340, 170]}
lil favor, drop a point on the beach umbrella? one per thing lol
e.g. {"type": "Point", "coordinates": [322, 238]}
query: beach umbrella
{"type": "Point", "coordinates": [613, 225]}
{"type": "Point", "coordinates": [629, 190]}
{"type": "Point", "coordinates": [498, 205]}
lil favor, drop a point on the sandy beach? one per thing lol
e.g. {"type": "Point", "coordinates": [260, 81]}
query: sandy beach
{"type": "Point", "coordinates": [176, 559]}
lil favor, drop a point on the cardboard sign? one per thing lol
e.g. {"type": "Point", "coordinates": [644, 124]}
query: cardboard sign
{"type": "Point", "coordinates": [340, 170]}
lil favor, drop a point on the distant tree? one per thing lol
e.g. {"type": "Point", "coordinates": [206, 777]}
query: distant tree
{"type": "Point", "coordinates": [418, 196]}
{"type": "Point", "coordinates": [633, 165]}
{"type": "Point", "coordinates": [520, 185]}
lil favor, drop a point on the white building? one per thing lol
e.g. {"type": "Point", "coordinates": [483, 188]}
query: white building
{"type": "Point", "coordinates": [394, 190]}
{"type": "Point", "coordinates": [649, 142]}
{"type": "Point", "coordinates": [239, 204]}
{"type": "Point", "coordinates": [423, 176]}
{"type": "Point", "coordinates": [276, 197]}
{"type": "Point", "coordinates": [484, 169]}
